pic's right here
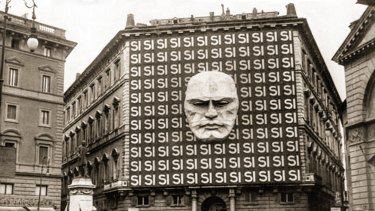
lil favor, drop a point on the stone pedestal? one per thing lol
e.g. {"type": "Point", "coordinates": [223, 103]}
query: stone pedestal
{"type": "Point", "coordinates": [80, 194]}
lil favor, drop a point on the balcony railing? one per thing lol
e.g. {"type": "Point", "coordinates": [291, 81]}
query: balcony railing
{"type": "Point", "coordinates": [27, 24]}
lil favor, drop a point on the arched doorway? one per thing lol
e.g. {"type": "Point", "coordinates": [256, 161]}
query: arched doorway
{"type": "Point", "coordinates": [213, 204]}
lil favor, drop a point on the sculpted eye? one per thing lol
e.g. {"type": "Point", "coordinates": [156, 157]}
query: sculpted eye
{"type": "Point", "coordinates": [221, 103]}
{"type": "Point", "coordinates": [200, 103]}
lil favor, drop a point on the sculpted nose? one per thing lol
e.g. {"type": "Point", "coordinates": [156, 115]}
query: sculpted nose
{"type": "Point", "coordinates": [211, 112]}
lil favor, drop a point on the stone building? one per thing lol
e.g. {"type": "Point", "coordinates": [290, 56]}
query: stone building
{"type": "Point", "coordinates": [32, 116]}
{"type": "Point", "coordinates": [357, 55]}
{"type": "Point", "coordinates": [126, 108]}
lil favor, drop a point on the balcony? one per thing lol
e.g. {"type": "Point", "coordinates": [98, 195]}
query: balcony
{"type": "Point", "coordinates": [25, 24]}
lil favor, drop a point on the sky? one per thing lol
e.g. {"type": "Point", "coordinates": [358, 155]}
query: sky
{"type": "Point", "coordinates": [93, 23]}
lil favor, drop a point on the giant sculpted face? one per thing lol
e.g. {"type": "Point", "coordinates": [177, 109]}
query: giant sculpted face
{"type": "Point", "coordinates": [211, 105]}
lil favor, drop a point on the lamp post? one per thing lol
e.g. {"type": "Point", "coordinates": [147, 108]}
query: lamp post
{"type": "Point", "coordinates": [32, 42]}
{"type": "Point", "coordinates": [40, 181]}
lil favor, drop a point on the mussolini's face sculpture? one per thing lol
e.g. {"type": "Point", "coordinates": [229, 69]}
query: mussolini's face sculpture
{"type": "Point", "coordinates": [211, 105]}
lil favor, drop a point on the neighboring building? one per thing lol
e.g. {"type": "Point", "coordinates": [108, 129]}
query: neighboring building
{"type": "Point", "coordinates": [357, 55]}
{"type": "Point", "coordinates": [32, 116]}
{"type": "Point", "coordinates": [283, 153]}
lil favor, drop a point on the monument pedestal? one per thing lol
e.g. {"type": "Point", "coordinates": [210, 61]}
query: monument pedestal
{"type": "Point", "coordinates": [81, 194]}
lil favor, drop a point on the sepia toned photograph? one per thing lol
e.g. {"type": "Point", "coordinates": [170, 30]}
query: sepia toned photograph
{"type": "Point", "coordinates": [128, 105]}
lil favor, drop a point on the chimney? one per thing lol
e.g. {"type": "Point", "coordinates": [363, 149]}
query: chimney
{"type": "Point", "coordinates": [227, 12]}
{"type": "Point", "coordinates": [255, 12]}
{"type": "Point", "coordinates": [291, 10]}
{"type": "Point", "coordinates": [212, 14]}
{"type": "Point", "coordinates": [130, 21]}
{"type": "Point", "coordinates": [192, 18]}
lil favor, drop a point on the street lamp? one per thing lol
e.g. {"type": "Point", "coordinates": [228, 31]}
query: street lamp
{"type": "Point", "coordinates": [32, 42]}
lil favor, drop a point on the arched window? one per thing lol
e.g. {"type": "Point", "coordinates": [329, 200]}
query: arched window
{"type": "Point", "coordinates": [116, 113]}
{"type": "Point", "coordinates": [73, 144]}
{"type": "Point", "coordinates": [115, 165]}
{"type": "Point", "coordinates": [78, 135]}
{"type": "Point", "coordinates": [84, 132]}
{"type": "Point", "coordinates": [106, 122]}
{"type": "Point", "coordinates": [105, 168]}
{"type": "Point", "coordinates": [90, 131]}
{"type": "Point", "coordinates": [369, 98]}
{"type": "Point", "coordinates": [66, 146]}
{"type": "Point", "coordinates": [96, 172]}
{"type": "Point", "coordinates": [98, 116]}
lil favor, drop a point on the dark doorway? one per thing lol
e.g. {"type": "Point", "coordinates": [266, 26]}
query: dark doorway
{"type": "Point", "coordinates": [213, 204]}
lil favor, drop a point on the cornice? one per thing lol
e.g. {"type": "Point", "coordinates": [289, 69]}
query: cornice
{"type": "Point", "coordinates": [357, 30]}
{"type": "Point", "coordinates": [280, 21]}
{"type": "Point", "coordinates": [96, 63]}
{"type": "Point", "coordinates": [359, 51]}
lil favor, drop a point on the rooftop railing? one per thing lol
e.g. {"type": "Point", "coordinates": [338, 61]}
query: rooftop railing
{"type": "Point", "coordinates": [27, 24]}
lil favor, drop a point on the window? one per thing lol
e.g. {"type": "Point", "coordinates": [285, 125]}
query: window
{"type": "Point", "coordinates": [10, 144]}
{"type": "Point", "coordinates": [251, 197]}
{"type": "Point", "coordinates": [91, 135]}
{"type": "Point", "coordinates": [43, 155]}
{"type": "Point", "coordinates": [78, 136]}
{"type": "Point", "coordinates": [115, 169]}
{"type": "Point", "coordinates": [96, 174]}
{"type": "Point", "coordinates": [68, 114]}
{"type": "Point", "coordinates": [92, 89]}
{"type": "Point", "coordinates": [107, 126]}
{"type": "Point", "coordinates": [116, 117]}
{"type": "Point", "coordinates": [117, 70]}
{"type": "Point", "coordinates": [84, 134]}
{"type": "Point", "coordinates": [41, 190]}
{"type": "Point", "coordinates": [85, 99]}
{"type": "Point", "coordinates": [177, 200]}
{"type": "Point", "coordinates": [74, 111]}
{"type": "Point", "coordinates": [79, 105]}
{"type": "Point", "coordinates": [66, 141]}
{"type": "Point", "coordinates": [143, 201]}
{"type": "Point", "coordinates": [45, 118]}
{"type": "Point", "coordinates": [286, 198]}
{"type": "Point", "coordinates": [47, 52]}
{"type": "Point", "coordinates": [72, 143]}
{"type": "Point", "coordinates": [12, 112]}
{"type": "Point", "coordinates": [13, 77]}
{"type": "Point", "coordinates": [46, 83]}
{"type": "Point", "coordinates": [15, 43]}
{"type": "Point", "coordinates": [105, 171]}
{"type": "Point", "coordinates": [6, 188]}
{"type": "Point", "coordinates": [108, 74]}
{"type": "Point", "coordinates": [100, 86]}
{"type": "Point", "coordinates": [98, 116]}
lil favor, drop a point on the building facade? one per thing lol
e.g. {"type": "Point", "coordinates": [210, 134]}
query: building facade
{"type": "Point", "coordinates": [357, 55]}
{"type": "Point", "coordinates": [32, 116]}
{"type": "Point", "coordinates": [126, 108]}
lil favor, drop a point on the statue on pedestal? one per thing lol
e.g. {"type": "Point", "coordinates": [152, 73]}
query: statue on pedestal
{"type": "Point", "coordinates": [82, 160]}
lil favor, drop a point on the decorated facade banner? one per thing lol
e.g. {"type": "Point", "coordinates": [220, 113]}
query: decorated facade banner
{"type": "Point", "coordinates": [262, 147]}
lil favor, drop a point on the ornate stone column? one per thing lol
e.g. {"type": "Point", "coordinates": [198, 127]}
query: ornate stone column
{"type": "Point", "coordinates": [193, 200]}
{"type": "Point", "coordinates": [80, 194]}
{"type": "Point", "coordinates": [232, 198]}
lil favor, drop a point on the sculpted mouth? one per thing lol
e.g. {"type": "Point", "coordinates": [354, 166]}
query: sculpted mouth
{"type": "Point", "coordinates": [211, 126]}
